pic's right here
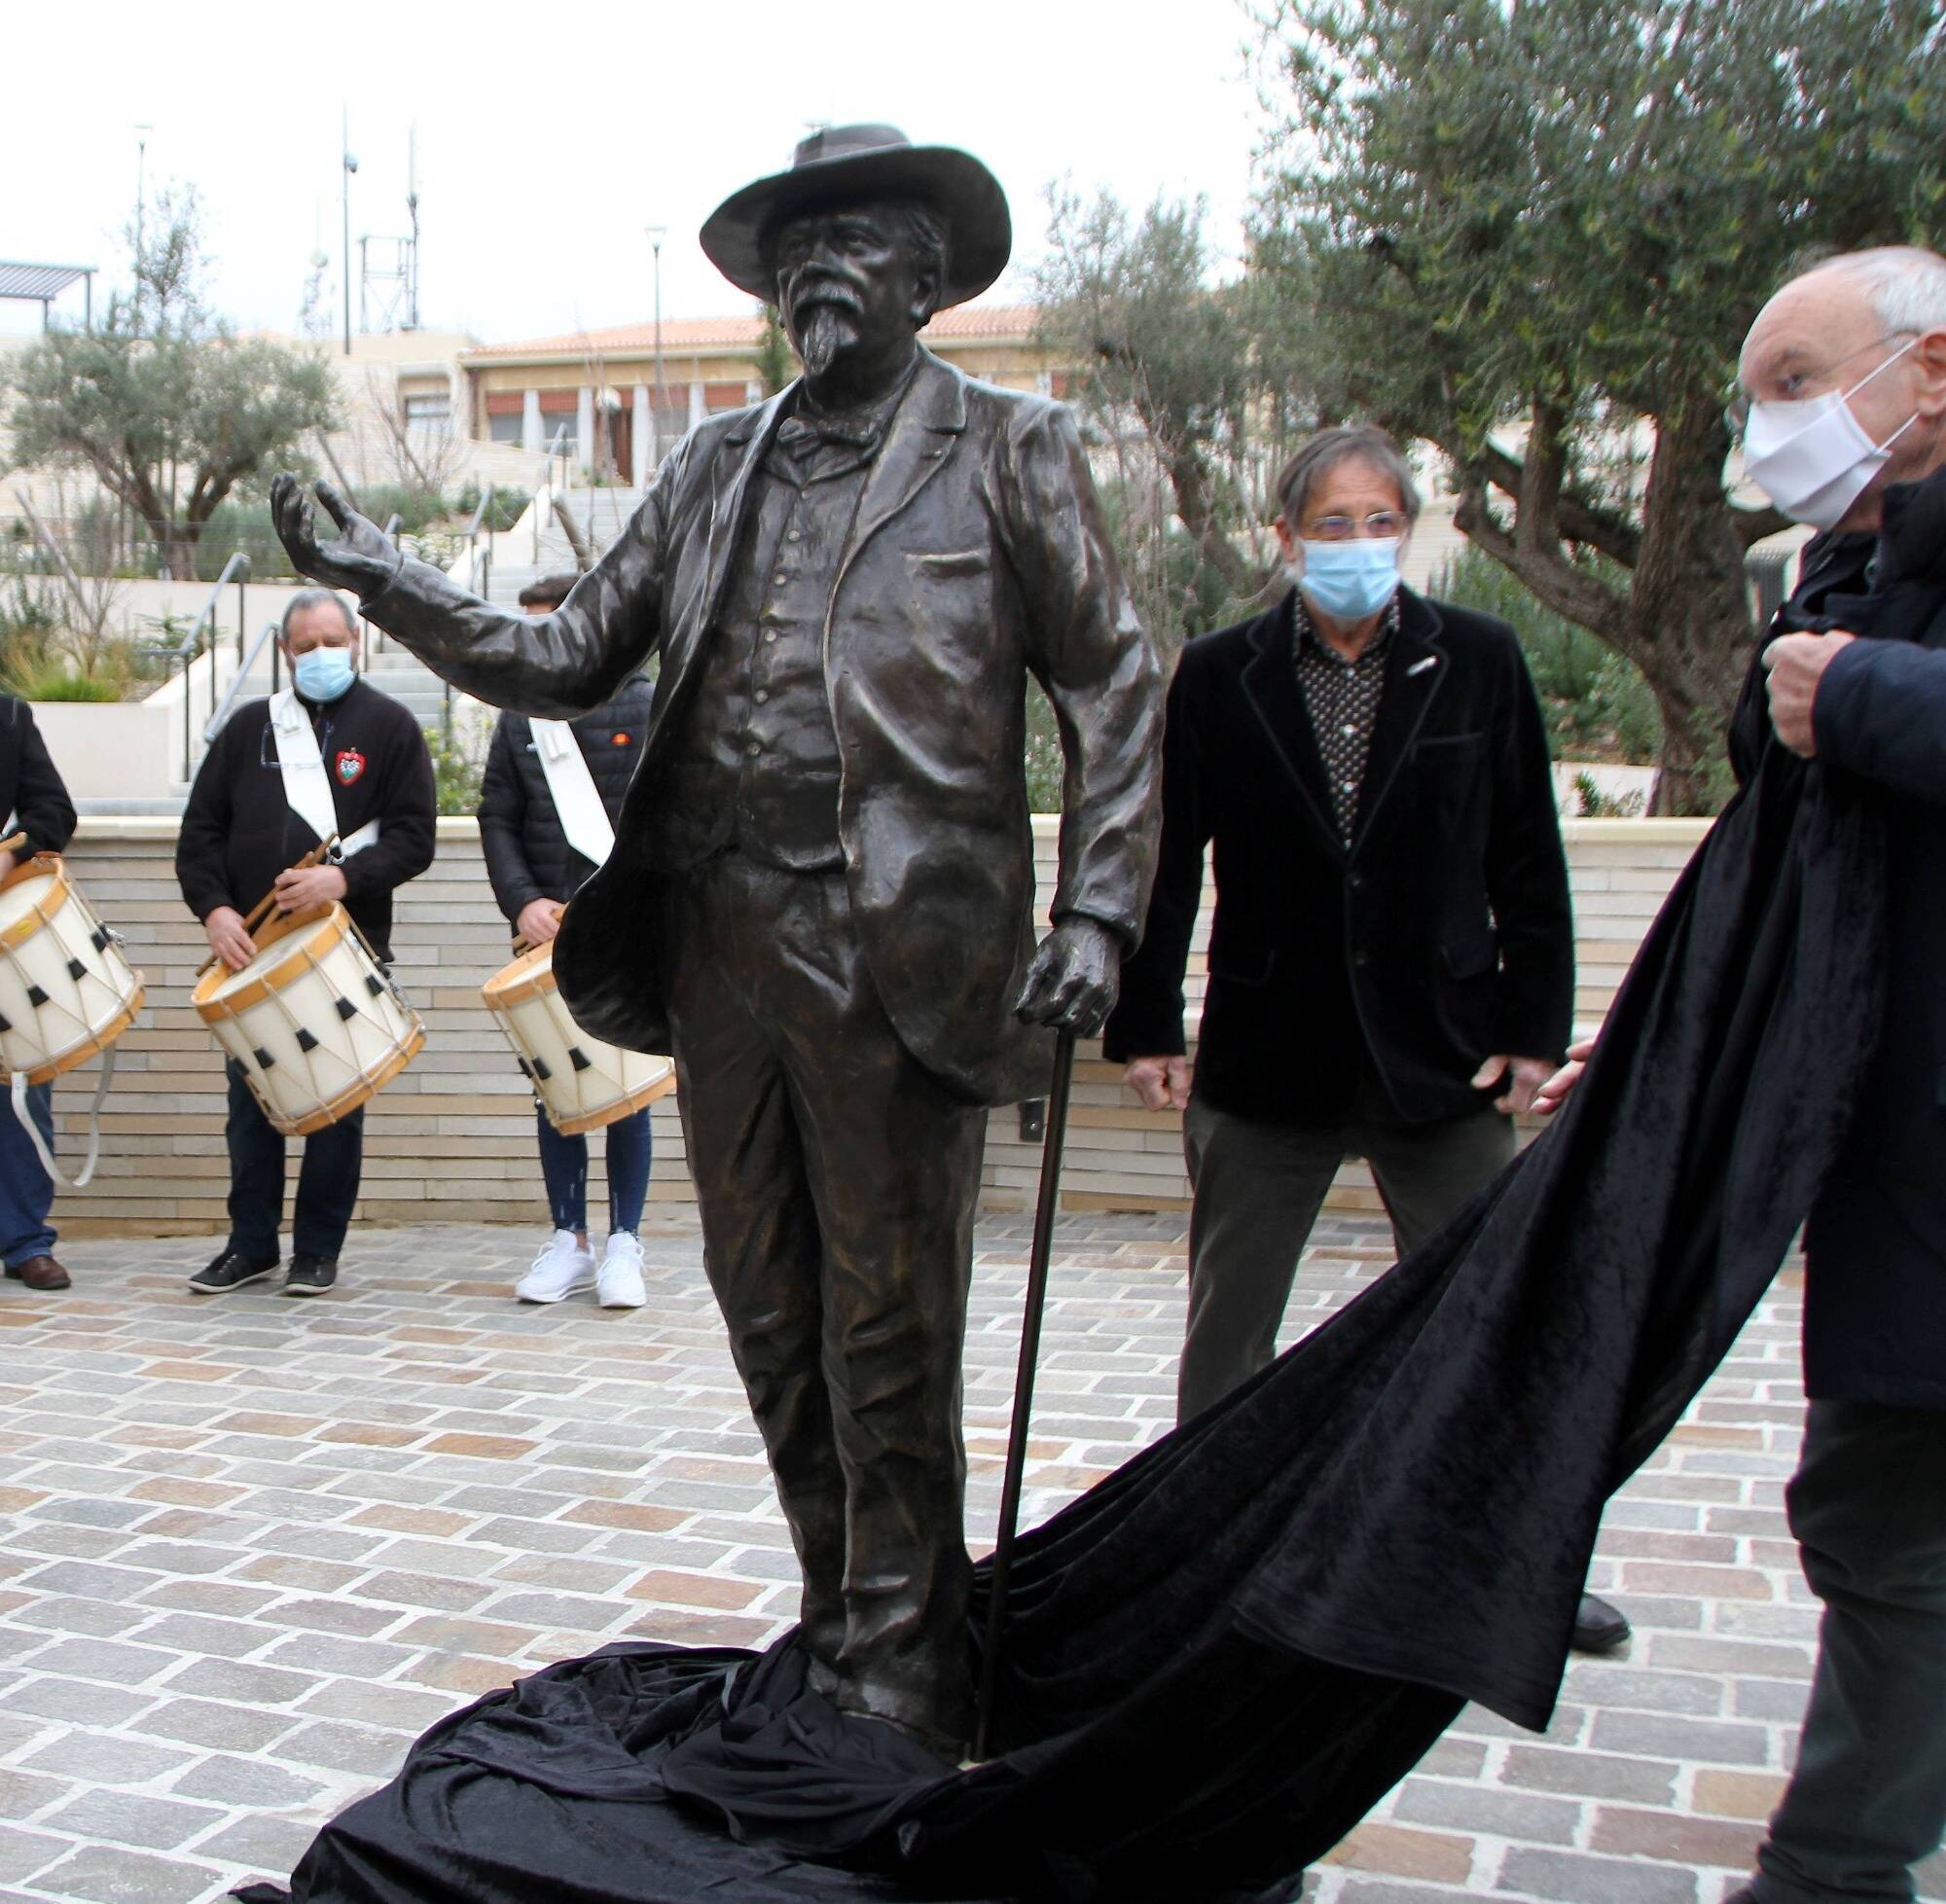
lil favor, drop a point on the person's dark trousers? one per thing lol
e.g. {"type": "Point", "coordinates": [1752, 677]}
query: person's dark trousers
{"type": "Point", "coordinates": [26, 1190]}
{"type": "Point", "coordinates": [1257, 1188]}
{"type": "Point", "coordinates": [836, 1180]}
{"type": "Point", "coordinates": [327, 1180]}
{"type": "Point", "coordinates": [564, 1170]}
{"type": "Point", "coordinates": [1868, 1798]}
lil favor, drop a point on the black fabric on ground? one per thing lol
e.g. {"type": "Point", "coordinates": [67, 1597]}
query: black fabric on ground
{"type": "Point", "coordinates": [1219, 1658]}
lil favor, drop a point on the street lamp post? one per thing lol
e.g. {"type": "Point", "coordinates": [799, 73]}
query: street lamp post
{"type": "Point", "coordinates": [350, 166]}
{"type": "Point", "coordinates": [142, 131]}
{"type": "Point", "coordinates": [657, 233]}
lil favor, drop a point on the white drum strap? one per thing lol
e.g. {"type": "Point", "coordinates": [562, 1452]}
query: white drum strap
{"type": "Point", "coordinates": [306, 786]}
{"type": "Point", "coordinates": [33, 1129]}
{"type": "Point", "coordinates": [583, 817]}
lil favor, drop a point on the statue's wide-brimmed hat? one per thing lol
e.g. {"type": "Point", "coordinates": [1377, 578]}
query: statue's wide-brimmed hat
{"type": "Point", "coordinates": [840, 163]}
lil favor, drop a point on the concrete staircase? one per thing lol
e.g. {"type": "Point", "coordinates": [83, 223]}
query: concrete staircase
{"type": "Point", "coordinates": [601, 514]}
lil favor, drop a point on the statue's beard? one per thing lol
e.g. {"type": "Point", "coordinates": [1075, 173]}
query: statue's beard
{"type": "Point", "coordinates": [827, 331]}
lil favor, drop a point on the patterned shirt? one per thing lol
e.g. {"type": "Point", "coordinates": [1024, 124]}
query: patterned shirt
{"type": "Point", "coordinates": [1341, 699]}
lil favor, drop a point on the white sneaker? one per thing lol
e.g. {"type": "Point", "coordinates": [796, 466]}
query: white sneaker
{"type": "Point", "coordinates": [561, 1268]}
{"type": "Point", "coordinates": [618, 1283]}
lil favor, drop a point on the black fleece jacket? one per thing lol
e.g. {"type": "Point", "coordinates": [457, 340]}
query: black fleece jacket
{"type": "Point", "coordinates": [239, 832]}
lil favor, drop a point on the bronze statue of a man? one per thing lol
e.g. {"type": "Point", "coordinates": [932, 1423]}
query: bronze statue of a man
{"type": "Point", "coordinates": [820, 898]}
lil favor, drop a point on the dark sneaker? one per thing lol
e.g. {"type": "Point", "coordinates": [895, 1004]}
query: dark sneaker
{"type": "Point", "coordinates": [311, 1276]}
{"type": "Point", "coordinates": [1599, 1628]}
{"type": "Point", "coordinates": [229, 1271]}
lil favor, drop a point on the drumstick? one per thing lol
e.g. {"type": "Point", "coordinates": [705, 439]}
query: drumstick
{"type": "Point", "coordinates": [266, 905]}
{"type": "Point", "coordinates": [12, 843]}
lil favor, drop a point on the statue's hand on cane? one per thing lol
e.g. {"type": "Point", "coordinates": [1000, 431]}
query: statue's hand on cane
{"type": "Point", "coordinates": [363, 559]}
{"type": "Point", "coordinates": [1074, 978]}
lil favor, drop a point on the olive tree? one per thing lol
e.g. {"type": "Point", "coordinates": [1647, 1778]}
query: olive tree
{"type": "Point", "coordinates": [1535, 231]}
{"type": "Point", "coordinates": [165, 406]}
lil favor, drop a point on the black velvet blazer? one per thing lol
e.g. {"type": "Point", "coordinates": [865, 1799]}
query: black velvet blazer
{"type": "Point", "coordinates": [1442, 936]}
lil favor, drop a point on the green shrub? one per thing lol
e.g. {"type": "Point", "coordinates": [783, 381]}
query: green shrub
{"type": "Point", "coordinates": [458, 765]}
{"type": "Point", "coordinates": [509, 506]}
{"type": "Point", "coordinates": [1597, 704]}
{"type": "Point", "coordinates": [53, 680]}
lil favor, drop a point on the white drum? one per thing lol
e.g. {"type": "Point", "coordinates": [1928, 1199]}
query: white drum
{"type": "Point", "coordinates": [66, 991]}
{"type": "Point", "coordinates": [314, 1022]}
{"type": "Point", "coordinates": [581, 1082]}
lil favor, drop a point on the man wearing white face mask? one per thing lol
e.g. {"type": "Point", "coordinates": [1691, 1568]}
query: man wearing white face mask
{"type": "Point", "coordinates": [1391, 960]}
{"type": "Point", "coordinates": [1843, 407]}
{"type": "Point", "coordinates": [327, 754]}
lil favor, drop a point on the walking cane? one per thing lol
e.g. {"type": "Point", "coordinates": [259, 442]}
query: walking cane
{"type": "Point", "coordinates": [1023, 1382]}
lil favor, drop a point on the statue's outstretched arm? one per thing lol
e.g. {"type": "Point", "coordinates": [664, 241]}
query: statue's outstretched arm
{"type": "Point", "coordinates": [554, 665]}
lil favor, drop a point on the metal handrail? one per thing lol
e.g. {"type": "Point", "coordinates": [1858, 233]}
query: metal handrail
{"type": "Point", "coordinates": [185, 651]}
{"type": "Point", "coordinates": [550, 485]}
{"type": "Point", "coordinates": [246, 662]}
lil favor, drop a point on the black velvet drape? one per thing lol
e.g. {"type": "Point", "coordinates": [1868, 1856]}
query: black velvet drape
{"type": "Point", "coordinates": [1219, 1658]}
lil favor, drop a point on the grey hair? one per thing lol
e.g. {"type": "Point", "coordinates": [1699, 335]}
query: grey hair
{"type": "Point", "coordinates": [1360, 443]}
{"type": "Point", "coordinates": [307, 599]}
{"type": "Point", "coordinates": [1905, 283]}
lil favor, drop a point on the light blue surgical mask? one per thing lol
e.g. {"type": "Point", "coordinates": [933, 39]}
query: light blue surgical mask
{"type": "Point", "coordinates": [1353, 579]}
{"type": "Point", "coordinates": [323, 673]}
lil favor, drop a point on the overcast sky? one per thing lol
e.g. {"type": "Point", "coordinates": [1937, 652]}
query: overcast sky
{"type": "Point", "coordinates": [548, 136]}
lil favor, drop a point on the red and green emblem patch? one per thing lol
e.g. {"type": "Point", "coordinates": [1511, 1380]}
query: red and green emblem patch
{"type": "Point", "coordinates": [350, 764]}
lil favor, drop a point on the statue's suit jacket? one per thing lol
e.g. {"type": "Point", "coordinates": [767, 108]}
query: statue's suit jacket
{"type": "Point", "coordinates": [978, 555]}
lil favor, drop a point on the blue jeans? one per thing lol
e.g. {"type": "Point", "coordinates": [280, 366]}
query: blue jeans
{"type": "Point", "coordinates": [564, 1166]}
{"type": "Point", "coordinates": [26, 1190]}
{"type": "Point", "coordinates": [327, 1179]}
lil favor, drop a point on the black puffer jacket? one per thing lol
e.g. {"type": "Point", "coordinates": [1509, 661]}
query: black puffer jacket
{"type": "Point", "coordinates": [527, 854]}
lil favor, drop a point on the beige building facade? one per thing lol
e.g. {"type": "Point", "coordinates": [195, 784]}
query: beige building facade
{"type": "Point", "coordinates": [616, 400]}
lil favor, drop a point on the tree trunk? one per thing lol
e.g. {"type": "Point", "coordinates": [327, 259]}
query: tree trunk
{"type": "Point", "coordinates": [1687, 620]}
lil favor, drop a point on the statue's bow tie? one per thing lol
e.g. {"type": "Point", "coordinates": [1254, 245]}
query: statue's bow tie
{"type": "Point", "coordinates": [801, 435]}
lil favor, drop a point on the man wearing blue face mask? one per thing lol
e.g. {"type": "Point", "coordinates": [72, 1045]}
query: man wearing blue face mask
{"type": "Point", "coordinates": [328, 754]}
{"type": "Point", "coordinates": [1391, 960]}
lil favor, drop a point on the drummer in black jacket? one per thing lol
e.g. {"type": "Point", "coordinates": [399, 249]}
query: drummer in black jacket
{"type": "Point", "coordinates": [32, 793]}
{"type": "Point", "coordinates": [241, 837]}
{"type": "Point", "coordinates": [535, 870]}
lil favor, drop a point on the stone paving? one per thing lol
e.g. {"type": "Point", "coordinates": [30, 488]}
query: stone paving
{"type": "Point", "coordinates": [252, 1547]}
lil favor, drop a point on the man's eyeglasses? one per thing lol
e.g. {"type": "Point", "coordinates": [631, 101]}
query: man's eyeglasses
{"type": "Point", "coordinates": [1737, 411]}
{"type": "Point", "coordinates": [1342, 528]}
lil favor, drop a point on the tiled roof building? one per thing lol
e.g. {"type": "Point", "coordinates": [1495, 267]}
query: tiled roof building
{"type": "Point", "coordinates": [601, 387]}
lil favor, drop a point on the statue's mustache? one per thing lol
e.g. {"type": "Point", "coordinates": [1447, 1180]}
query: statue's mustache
{"type": "Point", "coordinates": [833, 293]}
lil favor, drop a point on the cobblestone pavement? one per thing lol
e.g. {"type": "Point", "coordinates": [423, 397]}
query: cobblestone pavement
{"type": "Point", "coordinates": [252, 1547]}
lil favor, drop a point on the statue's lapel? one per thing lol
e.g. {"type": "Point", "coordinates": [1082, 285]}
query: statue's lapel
{"type": "Point", "coordinates": [736, 456]}
{"type": "Point", "coordinates": [920, 440]}
{"type": "Point", "coordinates": [736, 462]}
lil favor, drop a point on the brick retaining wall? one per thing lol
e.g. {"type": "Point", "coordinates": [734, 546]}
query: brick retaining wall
{"type": "Point", "coordinates": [452, 1139]}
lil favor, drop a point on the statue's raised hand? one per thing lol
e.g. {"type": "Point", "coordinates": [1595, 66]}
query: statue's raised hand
{"type": "Point", "coordinates": [362, 559]}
